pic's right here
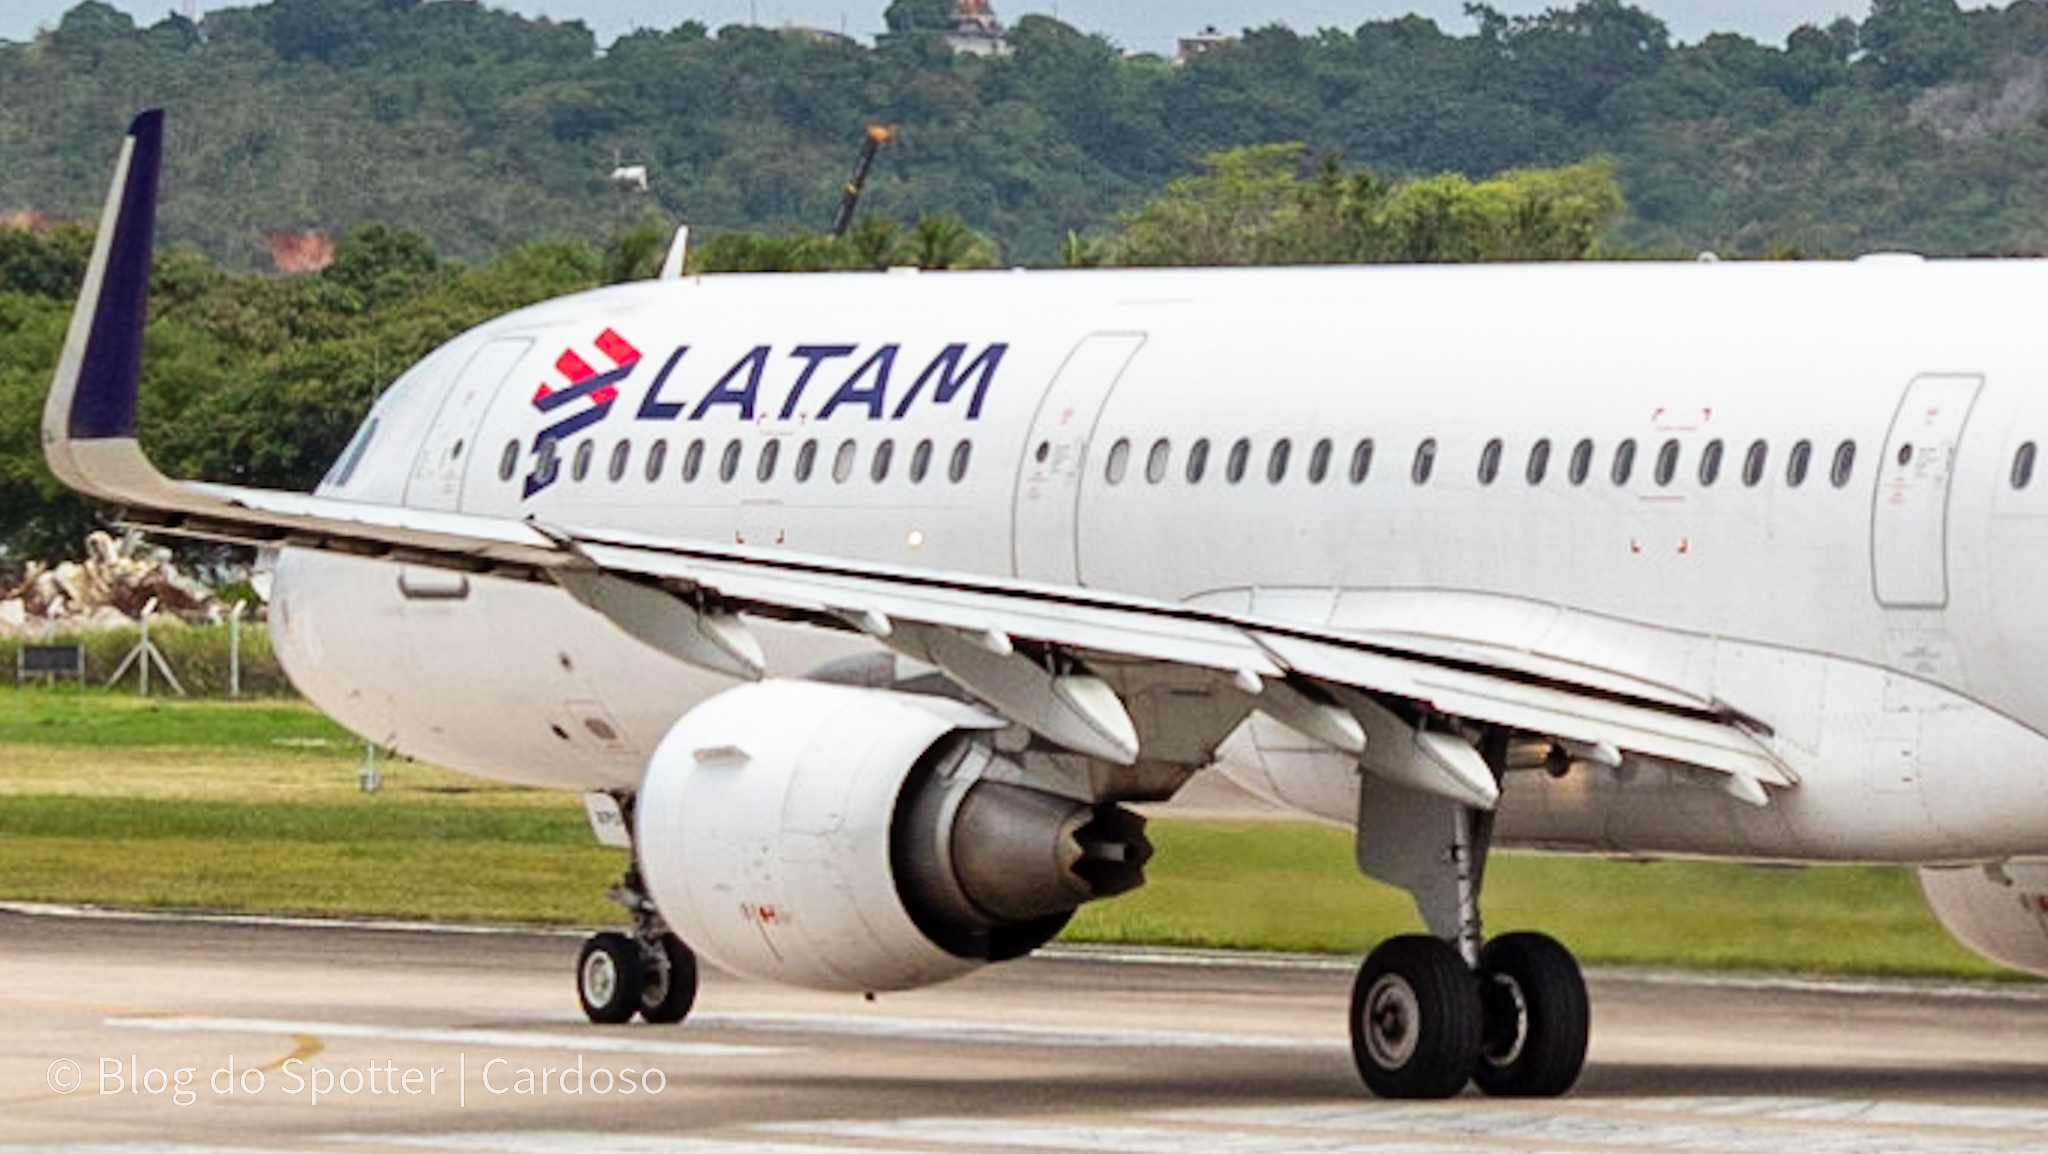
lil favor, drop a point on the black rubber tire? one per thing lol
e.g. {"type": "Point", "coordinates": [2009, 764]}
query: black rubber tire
{"type": "Point", "coordinates": [609, 974]}
{"type": "Point", "coordinates": [670, 988]}
{"type": "Point", "coordinates": [1415, 1019]}
{"type": "Point", "coordinates": [1537, 1018]}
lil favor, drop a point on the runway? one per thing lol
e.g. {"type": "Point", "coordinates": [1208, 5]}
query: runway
{"type": "Point", "coordinates": [422, 1040]}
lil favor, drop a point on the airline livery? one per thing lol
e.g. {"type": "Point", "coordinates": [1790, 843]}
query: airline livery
{"type": "Point", "coordinates": [861, 606]}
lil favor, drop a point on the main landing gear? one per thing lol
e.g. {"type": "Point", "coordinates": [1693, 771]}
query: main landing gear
{"type": "Point", "coordinates": [649, 971]}
{"type": "Point", "coordinates": [1424, 1022]}
{"type": "Point", "coordinates": [1431, 1013]}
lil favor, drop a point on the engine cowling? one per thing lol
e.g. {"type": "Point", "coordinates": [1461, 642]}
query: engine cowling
{"type": "Point", "coordinates": [2000, 912]}
{"type": "Point", "coordinates": [858, 839]}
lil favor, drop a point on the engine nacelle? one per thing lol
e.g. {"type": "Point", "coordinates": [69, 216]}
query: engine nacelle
{"type": "Point", "coordinates": [857, 839]}
{"type": "Point", "coordinates": [2000, 912]}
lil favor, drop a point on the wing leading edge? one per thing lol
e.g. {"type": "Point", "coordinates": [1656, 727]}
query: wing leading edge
{"type": "Point", "coordinates": [1028, 649]}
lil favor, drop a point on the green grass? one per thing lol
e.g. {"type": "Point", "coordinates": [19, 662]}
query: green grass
{"type": "Point", "coordinates": [255, 807]}
{"type": "Point", "coordinates": [1293, 887]}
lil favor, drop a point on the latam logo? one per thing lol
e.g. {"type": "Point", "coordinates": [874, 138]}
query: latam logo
{"type": "Point", "coordinates": [585, 383]}
{"type": "Point", "coordinates": [881, 382]}
{"type": "Point", "coordinates": [817, 382]}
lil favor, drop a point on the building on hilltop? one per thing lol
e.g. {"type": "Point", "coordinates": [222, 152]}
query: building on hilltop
{"type": "Point", "coordinates": [975, 29]}
{"type": "Point", "coordinates": [1201, 44]}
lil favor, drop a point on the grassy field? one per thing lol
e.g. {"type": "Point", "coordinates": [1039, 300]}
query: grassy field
{"type": "Point", "coordinates": [255, 807]}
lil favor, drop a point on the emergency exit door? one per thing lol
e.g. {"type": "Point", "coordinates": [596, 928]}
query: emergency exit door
{"type": "Point", "coordinates": [1909, 524]}
{"type": "Point", "coordinates": [1049, 484]}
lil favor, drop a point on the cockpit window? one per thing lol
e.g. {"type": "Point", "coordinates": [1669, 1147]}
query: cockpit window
{"type": "Point", "coordinates": [345, 469]}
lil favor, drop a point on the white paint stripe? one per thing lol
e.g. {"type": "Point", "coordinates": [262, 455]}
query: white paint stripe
{"type": "Point", "coordinates": [571, 1142]}
{"type": "Point", "coordinates": [1917, 1114]}
{"type": "Point", "coordinates": [959, 1133]}
{"type": "Point", "coordinates": [2023, 991]}
{"type": "Point", "coordinates": [101, 913]}
{"type": "Point", "coordinates": [1612, 1126]}
{"type": "Point", "coordinates": [134, 1148]}
{"type": "Point", "coordinates": [970, 1031]}
{"type": "Point", "coordinates": [501, 1039]}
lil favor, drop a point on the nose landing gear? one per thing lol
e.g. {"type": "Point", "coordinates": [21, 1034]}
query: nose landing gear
{"type": "Point", "coordinates": [649, 971]}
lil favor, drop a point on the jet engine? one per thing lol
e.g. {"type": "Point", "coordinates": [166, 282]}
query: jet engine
{"type": "Point", "coordinates": [1998, 911]}
{"type": "Point", "coordinates": [855, 839]}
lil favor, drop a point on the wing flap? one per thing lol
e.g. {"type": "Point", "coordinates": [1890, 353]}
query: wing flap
{"type": "Point", "coordinates": [1718, 744]}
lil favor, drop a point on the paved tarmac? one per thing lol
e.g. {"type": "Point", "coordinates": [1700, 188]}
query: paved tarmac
{"type": "Point", "coordinates": [471, 1042]}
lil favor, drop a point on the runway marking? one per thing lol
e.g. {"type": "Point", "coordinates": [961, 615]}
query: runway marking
{"type": "Point", "coordinates": [502, 1039]}
{"type": "Point", "coordinates": [140, 1148]}
{"type": "Point", "coordinates": [1724, 1126]}
{"type": "Point", "coordinates": [981, 1032]}
{"type": "Point", "coordinates": [576, 1142]}
{"type": "Point", "coordinates": [1113, 955]}
{"type": "Point", "coordinates": [1880, 1113]}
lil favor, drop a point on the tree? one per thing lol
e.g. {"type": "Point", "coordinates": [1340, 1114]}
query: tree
{"type": "Point", "coordinates": [1255, 207]}
{"type": "Point", "coordinates": [904, 16]}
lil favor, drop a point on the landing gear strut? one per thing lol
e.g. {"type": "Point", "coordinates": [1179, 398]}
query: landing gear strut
{"type": "Point", "coordinates": [1430, 1013]}
{"type": "Point", "coordinates": [649, 971]}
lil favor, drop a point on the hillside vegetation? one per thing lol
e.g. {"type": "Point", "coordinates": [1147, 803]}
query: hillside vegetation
{"type": "Point", "coordinates": [1919, 126]}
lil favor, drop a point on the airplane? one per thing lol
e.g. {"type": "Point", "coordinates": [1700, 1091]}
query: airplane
{"type": "Point", "coordinates": [862, 607]}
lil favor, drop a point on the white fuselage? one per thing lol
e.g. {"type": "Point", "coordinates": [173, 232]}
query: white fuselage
{"type": "Point", "coordinates": [1880, 615]}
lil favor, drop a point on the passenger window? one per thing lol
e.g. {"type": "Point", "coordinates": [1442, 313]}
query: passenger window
{"type": "Point", "coordinates": [1425, 462]}
{"type": "Point", "coordinates": [1361, 462]}
{"type": "Point", "coordinates": [1710, 463]}
{"type": "Point", "coordinates": [1755, 462]}
{"type": "Point", "coordinates": [962, 454]}
{"type": "Point", "coordinates": [885, 454]}
{"type": "Point", "coordinates": [1796, 464]}
{"type": "Point", "coordinates": [729, 463]}
{"type": "Point", "coordinates": [508, 464]}
{"type": "Point", "coordinates": [1845, 464]}
{"type": "Point", "coordinates": [806, 461]}
{"type": "Point", "coordinates": [1276, 462]}
{"type": "Point", "coordinates": [842, 461]}
{"type": "Point", "coordinates": [1624, 462]}
{"type": "Point", "coordinates": [1198, 460]}
{"type": "Point", "coordinates": [1539, 461]}
{"type": "Point", "coordinates": [1119, 461]}
{"type": "Point", "coordinates": [1240, 459]}
{"type": "Point", "coordinates": [1667, 462]}
{"type": "Point", "coordinates": [657, 459]}
{"type": "Point", "coordinates": [1582, 462]}
{"type": "Point", "coordinates": [920, 461]}
{"type": "Point", "coordinates": [771, 452]}
{"type": "Point", "coordinates": [622, 454]}
{"type": "Point", "coordinates": [1157, 460]}
{"type": "Point", "coordinates": [2022, 466]}
{"type": "Point", "coordinates": [1489, 461]}
{"type": "Point", "coordinates": [585, 452]}
{"type": "Point", "coordinates": [693, 460]}
{"type": "Point", "coordinates": [1319, 461]}
{"type": "Point", "coordinates": [544, 458]}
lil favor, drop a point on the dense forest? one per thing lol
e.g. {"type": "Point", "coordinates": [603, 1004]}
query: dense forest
{"type": "Point", "coordinates": [1921, 126]}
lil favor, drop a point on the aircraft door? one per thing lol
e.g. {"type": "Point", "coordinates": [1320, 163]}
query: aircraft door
{"type": "Point", "coordinates": [445, 453]}
{"type": "Point", "coordinates": [1909, 523]}
{"type": "Point", "coordinates": [1046, 526]}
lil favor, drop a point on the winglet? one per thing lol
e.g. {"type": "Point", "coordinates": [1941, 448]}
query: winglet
{"type": "Point", "coordinates": [89, 419]}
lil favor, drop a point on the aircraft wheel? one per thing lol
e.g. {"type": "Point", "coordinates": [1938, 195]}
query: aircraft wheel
{"type": "Point", "coordinates": [1415, 1019]}
{"type": "Point", "coordinates": [610, 974]}
{"type": "Point", "coordinates": [1536, 1018]}
{"type": "Point", "coordinates": [671, 986]}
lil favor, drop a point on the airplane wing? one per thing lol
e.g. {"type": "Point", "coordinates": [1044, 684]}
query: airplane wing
{"type": "Point", "coordinates": [1045, 656]}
